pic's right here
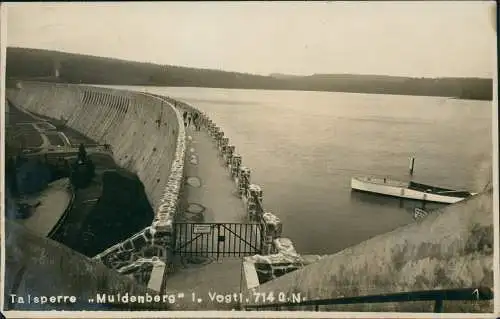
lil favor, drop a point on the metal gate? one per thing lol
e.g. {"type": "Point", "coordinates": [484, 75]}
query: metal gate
{"type": "Point", "coordinates": [217, 239]}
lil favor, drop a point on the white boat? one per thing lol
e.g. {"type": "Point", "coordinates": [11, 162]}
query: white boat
{"type": "Point", "coordinates": [410, 190]}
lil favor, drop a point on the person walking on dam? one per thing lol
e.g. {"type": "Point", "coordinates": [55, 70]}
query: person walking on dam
{"type": "Point", "coordinates": [184, 115]}
{"type": "Point", "coordinates": [196, 121]}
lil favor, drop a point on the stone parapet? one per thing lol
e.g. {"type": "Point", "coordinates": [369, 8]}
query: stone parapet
{"type": "Point", "coordinates": [276, 251]}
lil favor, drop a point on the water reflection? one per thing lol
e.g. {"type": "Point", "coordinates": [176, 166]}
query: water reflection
{"type": "Point", "coordinates": [406, 205]}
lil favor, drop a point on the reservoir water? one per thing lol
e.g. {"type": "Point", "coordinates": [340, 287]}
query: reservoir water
{"type": "Point", "coordinates": [303, 147]}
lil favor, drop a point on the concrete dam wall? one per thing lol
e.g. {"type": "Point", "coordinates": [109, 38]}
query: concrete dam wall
{"type": "Point", "coordinates": [147, 137]}
{"type": "Point", "coordinates": [140, 129]}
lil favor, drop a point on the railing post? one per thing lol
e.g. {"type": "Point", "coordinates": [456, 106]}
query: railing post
{"type": "Point", "coordinates": [235, 165]}
{"type": "Point", "coordinates": [243, 181]}
{"type": "Point", "coordinates": [229, 154]}
{"type": "Point", "coordinates": [223, 145]}
{"type": "Point", "coordinates": [438, 306]}
{"type": "Point", "coordinates": [210, 128]}
{"type": "Point", "coordinates": [218, 242]}
{"type": "Point", "coordinates": [220, 136]}
{"type": "Point", "coordinates": [254, 198]}
{"type": "Point", "coordinates": [273, 229]}
{"type": "Point", "coordinates": [215, 132]}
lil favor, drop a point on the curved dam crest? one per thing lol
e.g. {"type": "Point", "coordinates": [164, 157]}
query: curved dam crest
{"type": "Point", "coordinates": [146, 136]}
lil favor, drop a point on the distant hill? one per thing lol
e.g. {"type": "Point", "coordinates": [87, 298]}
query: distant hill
{"type": "Point", "coordinates": [23, 63]}
{"type": "Point", "coordinates": [283, 76]}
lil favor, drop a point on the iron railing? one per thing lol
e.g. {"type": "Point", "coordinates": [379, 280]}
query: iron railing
{"type": "Point", "coordinates": [438, 296]}
{"type": "Point", "coordinates": [54, 232]}
{"type": "Point", "coordinates": [219, 239]}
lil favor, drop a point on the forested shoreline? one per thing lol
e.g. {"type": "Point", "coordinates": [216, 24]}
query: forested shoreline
{"type": "Point", "coordinates": [36, 64]}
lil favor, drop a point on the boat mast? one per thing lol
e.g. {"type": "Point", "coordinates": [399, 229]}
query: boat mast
{"type": "Point", "coordinates": [412, 165]}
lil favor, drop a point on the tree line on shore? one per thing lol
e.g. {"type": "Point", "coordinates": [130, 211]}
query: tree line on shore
{"type": "Point", "coordinates": [36, 64]}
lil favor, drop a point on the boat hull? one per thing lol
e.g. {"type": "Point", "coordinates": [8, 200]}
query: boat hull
{"type": "Point", "coordinates": [395, 190]}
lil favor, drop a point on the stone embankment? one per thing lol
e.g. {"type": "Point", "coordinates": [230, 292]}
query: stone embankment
{"type": "Point", "coordinates": [451, 248]}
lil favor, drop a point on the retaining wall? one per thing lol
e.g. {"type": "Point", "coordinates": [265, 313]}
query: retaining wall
{"type": "Point", "coordinates": [42, 267]}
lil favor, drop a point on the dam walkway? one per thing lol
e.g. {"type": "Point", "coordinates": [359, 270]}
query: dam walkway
{"type": "Point", "coordinates": [210, 195]}
{"type": "Point", "coordinates": [208, 182]}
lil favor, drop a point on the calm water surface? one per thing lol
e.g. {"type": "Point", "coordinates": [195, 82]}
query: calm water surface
{"type": "Point", "coordinates": [303, 148]}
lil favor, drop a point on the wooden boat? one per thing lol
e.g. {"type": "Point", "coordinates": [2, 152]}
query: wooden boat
{"type": "Point", "coordinates": [410, 190]}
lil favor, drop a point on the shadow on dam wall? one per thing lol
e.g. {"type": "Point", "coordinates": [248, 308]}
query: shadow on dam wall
{"type": "Point", "coordinates": [142, 133]}
{"type": "Point", "coordinates": [111, 207]}
{"type": "Point", "coordinates": [121, 210]}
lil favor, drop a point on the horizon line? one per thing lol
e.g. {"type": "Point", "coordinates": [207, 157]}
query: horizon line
{"type": "Point", "coordinates": [246, 73]}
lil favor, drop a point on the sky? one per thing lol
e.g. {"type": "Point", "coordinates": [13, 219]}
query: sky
{"type": "Point", "coordinates": [421, 39]}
